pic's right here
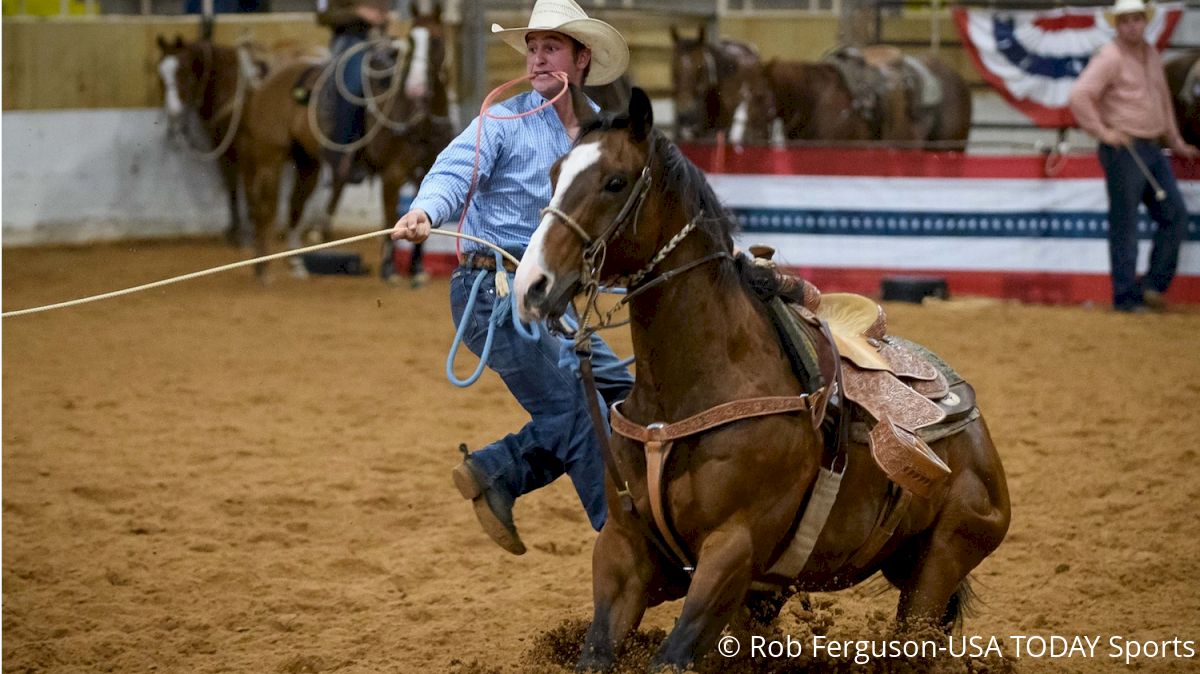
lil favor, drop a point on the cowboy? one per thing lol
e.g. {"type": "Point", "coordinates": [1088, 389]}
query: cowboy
{"type": "Point", "coordinates": [515, 156]}
{"type": "Point", "coordinates": [352, 22]}
{"type": "Point", "coordinates": [1122, 99]}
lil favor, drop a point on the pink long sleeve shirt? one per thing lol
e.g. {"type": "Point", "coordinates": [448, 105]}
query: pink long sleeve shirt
{"type": "Point", "coordinates": [1127, 91]}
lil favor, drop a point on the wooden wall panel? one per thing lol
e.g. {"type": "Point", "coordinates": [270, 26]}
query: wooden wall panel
{"type": "Point", "coordinates": [109, 62]}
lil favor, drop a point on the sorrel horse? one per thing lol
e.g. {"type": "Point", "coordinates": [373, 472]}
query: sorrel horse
{"type": "Point", "coordinates": [628, 208]}
{"type": "Point", "coordinates": [718, 88]}
{"type": "Point", "coordinates": [210, 84]}
{"type": "Point", "coordinates": [406, 128]}
{"type": "Point", "coordinates": [873, 93]}
{"type": "Point", "coordinates": [1183, 78]}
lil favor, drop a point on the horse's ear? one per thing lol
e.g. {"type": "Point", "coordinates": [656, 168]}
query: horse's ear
{"type": "Point", "coordinates": [700, 39]}
{"type": "Point", "coordinates": [641, 114]}
{"type": "Point", "coordinates": [674, 34]}
{"type": "Point", "coordinates": [178, 41]}
{"type": "Point", "coordinates": [583, 112]}
{"type": "Point", "coordinates": [162, 44]}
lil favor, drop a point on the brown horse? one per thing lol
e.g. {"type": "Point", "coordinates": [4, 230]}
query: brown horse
{"type": "Point", "coordinates": [1183, 78]}
{"type": "Point", "coordinates": [873, 93]}
{"type": "Point", "coordinates": [628, 208]}
{"type": "Point", "coordinates": [210, 84]}
{"type": "Point", "coordinates": [406, 128]}
{"type": "Point", "coordinates": [718, 88]}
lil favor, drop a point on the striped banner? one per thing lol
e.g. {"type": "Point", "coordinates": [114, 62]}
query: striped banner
{"type": "Point", "coordinates": [1019, 227]}
{"type": "Point", "coordinates": [1033, 57]}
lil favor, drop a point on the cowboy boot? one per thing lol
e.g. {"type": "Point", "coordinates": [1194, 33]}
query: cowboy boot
{"type": "Point", "coordinates": [492, 504]}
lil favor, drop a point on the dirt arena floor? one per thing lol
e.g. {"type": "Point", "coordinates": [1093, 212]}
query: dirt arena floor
{"type": "Point", "coordinates": [221, 477]}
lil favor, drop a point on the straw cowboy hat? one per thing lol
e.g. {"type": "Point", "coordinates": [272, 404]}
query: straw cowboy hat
{"type": "Point", "coordinates": [610, 54]}
{"type": "Point", "coordinates": [1128, 7]}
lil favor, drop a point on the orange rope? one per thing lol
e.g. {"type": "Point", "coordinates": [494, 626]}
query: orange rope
{"type": "Point", "coordinates": [483, 115]}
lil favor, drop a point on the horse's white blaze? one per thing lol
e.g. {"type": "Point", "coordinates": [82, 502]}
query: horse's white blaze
{"type": "Point", "coordinates": [417, 82]}
{"type": "Point", "coordinates": [166, 71]}
{"type": "Point", "coordinates": [533, 265]}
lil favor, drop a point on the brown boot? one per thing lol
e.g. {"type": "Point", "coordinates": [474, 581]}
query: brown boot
{"type": "Point", "coordinates": [492, 506]}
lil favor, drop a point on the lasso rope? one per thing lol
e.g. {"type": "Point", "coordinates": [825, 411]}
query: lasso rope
{"type": "Point", "coordinates": [237, 265]}
{"type": "Point", "coordinates": [337, 68]}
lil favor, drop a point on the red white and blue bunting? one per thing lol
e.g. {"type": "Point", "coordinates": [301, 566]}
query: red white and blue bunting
{"type": "Point", "coordinates": [1033, 57]}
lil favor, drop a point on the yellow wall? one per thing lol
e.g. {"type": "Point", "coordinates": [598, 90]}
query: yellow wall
{"type": "Point", "coordinates": [47, 7]}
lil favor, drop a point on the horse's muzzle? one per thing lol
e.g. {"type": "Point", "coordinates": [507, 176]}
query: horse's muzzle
{"type": "Point", "coordinates": [544, 296]}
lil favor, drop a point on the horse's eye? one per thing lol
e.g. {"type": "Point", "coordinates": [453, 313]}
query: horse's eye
{"type": "Point", "coordinates": [616, 184]}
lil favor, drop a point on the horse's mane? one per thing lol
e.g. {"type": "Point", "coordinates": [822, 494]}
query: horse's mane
{"type": "Point", "coordinates": [688, 183]}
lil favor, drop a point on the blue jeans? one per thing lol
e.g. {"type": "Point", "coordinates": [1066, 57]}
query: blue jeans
{"type": "Point", "coordinates": [1127, 188]}
{"type": "Point", "coordinates": [559, 437]}
{"type": "Point", "coordinates": [349, 118]}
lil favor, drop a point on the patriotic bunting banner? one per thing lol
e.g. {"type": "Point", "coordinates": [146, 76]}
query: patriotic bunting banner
{"type": "Point", "coordinates": [1033, 57]}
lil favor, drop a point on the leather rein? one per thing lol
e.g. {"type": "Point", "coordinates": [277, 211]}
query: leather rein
{"type": "Point", "coordinates": [659, 437]}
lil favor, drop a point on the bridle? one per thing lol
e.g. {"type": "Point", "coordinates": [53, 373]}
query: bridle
{"type": "Point", "coordinates": [595, 249]}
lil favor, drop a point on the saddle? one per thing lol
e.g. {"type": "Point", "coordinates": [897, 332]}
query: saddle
{"type": "Point", "coordinates": [869, 72]}
{"type": "Point", "coordinates": [899, 396]}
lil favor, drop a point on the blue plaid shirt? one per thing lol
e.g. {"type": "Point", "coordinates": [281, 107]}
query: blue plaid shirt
{"type": "Point", "coordinates": [514, 174]}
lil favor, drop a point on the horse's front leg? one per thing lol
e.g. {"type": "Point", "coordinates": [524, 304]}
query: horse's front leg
{"type": "Point", "coordinates": [622, 577]}
{"type": "Point", "coordinates": [718, 589]}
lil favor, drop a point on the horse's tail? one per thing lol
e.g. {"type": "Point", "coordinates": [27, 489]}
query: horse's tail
{"type": "Point", "coordinates": [963, 603]}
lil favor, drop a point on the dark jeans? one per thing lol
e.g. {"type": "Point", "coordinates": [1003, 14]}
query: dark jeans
{"type": "Point", "coordinates": [1128, 187]}
{"type": "Point", "coordinates": [559, 437]}
{"type": "Point", "coordinates": [349, 118]}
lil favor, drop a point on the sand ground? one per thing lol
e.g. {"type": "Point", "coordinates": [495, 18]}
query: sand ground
{"type": "Point", "coordinates": [222, 477]}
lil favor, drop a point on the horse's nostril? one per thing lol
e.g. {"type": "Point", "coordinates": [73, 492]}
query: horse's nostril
{"type": "Point", "coordinates": [538, 289]}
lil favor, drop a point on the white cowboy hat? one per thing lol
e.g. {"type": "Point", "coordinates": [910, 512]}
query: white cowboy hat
{"type": "Point", "coordinates": [1127, 7]}
{"type": "Point", "coordinates": [610, 54]}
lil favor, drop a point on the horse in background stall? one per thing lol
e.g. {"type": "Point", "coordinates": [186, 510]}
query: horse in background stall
{"type": "Point", "coordinates": [872, 93]}
{"type": "Point", "coordinates": [407, 125]}
{"type": "Point", "coordinates": [719, 88]}
{"type": "Point", "coordinates": [206, 88]}
{"type": "Point", "coordinates": [724, 437]}
{"type": "Point", "coordinates": [1183, 79]}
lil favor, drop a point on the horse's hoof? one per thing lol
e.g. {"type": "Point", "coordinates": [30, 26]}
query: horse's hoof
{"type": "Point", "coordinates": [299, 271]}
{"type": "Point", "coordinates": [419, 280]}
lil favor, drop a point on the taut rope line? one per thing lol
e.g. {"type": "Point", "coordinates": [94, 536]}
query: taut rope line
{"type": "Point", "coordinates": [242, 263]}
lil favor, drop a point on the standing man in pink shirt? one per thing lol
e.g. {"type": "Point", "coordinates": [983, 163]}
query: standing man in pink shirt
{"type": "Point", "coordinates": [1122, 99]}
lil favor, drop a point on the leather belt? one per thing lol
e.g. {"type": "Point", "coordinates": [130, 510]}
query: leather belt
{"type": "Point", "coordinates": [483, 261]}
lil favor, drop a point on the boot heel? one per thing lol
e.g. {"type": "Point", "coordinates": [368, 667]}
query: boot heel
{"type": "Point", "coordinates": [465, 482]}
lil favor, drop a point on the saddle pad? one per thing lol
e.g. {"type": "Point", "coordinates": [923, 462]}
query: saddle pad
{"type": "Point", "coordinates": [882, 394]}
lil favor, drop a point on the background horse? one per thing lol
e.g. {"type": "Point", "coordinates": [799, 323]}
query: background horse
{"type": "Point", "coordinates": [406, 128]}
{"type": "Point", "coordinates": [1183, 78]}
{"type": "Point", "coordinates": [873, 93]}
{"type": "Point", "coordinates": [730, 493]}
{"type": "Point", "coordinates": [210, 84]}
{"type": "Point", "coordinates": [714, 84]}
